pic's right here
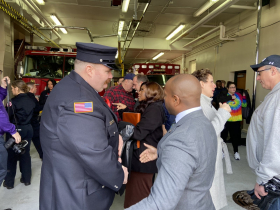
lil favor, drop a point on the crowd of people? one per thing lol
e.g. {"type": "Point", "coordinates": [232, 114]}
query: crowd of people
{"type": "Point", "coordinates": [180, 137]}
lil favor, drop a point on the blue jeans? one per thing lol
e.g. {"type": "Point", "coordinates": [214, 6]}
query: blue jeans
{"type": "Point", "coordinates": [275, 205]}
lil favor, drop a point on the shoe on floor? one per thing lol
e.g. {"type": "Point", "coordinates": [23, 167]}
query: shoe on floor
{"type": "Point", "coordinates": [4, 185]}
{"type": "Point", "coordinates": [25, 183]}
{"type": "Point", "coordinates": [236, 156]}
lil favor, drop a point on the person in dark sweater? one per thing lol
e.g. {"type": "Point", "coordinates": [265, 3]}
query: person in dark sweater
{"type": "Point", "coordinates": [45, 94]}
{"type": "Point", "coordinates": [21, 112]}
{"type": "Point", "coordinates": [147, 131]}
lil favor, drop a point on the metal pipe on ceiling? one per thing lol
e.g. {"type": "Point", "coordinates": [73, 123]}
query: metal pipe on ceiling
{"type": "Point", "coordinates": [130, 26]}
{"type": "Point", "coordinates": [202, 36]}
{"type": "Point", "coordinates": [257, 52]}
{"type": "Point", "coordinates": [24, 22]}
{"type": "Point", "coordinates": [38, 12]}
{"type": "Point", "coordinates": [243, 7]}
{"type": "Point", "coordinates": [207, 18]}
{"type": "Point", "coordinates": [79, 28]}
{"type": "Point", "coordinates": [135, 9]}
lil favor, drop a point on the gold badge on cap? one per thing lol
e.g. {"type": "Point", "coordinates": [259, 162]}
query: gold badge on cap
{"type": "Point", "coordinates": [101, 60]}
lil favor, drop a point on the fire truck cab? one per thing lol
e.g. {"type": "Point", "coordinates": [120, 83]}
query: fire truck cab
{"type": "Point", "coordinates": [157, 72]}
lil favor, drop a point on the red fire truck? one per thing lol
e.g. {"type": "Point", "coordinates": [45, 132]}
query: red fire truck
{"type": "Point", "coordinates": [43, 63]}
{"type": "Point", "coordinates": [158, 72]}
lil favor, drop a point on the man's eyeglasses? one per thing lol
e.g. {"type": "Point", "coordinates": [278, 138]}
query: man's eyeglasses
{"type": "Point", "coordinates": [259, 72]}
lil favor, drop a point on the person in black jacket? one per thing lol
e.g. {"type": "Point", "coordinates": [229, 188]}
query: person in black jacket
{"type": "Point", "coordinates": [20, 112]}
{"type": "Point", "coordinates": [35, 118]}
{"type": "Point", "coordinates": [45, 94]}
{"type": "Point", "coordinates": [147, 131]}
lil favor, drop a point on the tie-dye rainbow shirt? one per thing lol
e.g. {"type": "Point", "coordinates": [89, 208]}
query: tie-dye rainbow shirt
{"type": "Point", "coordinates": [236, 107]}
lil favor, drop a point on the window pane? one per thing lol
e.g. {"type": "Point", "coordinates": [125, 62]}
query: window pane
{"type": "Point", "coordinates": [43, 66]}
{"type": "Point", "coordinates": [69, 65]}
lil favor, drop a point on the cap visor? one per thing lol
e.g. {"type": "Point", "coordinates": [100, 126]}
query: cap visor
{"type": "Point", "coordinates": [113, 66]}
{"type": "Point", "coordinates": [256, 67]}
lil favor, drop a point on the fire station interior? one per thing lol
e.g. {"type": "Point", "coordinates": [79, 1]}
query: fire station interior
{"type": "Point", "coordinates": [37, 42]}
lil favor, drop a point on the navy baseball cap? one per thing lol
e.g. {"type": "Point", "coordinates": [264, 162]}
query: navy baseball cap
{"type": "Point", "coordinates": [273, 60]}
{"type": "Point", "coordinates": [99, 54]}
{"type": "Point", "coordinates": [129, 76]}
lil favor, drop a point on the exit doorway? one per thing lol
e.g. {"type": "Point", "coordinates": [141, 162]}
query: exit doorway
{"type": "Point", "coordinates": [240, 79]}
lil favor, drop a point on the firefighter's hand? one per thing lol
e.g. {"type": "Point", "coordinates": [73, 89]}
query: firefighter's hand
{"type": "Point", "coordinates": [17, 137]}
{"type": "Point", "coordinates": [120, 145]}
{"type": "Point", "coordinates": [125, 171]}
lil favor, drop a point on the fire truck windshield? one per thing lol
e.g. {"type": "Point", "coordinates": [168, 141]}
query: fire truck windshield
{"type": "Point", "coordinates": [160, 79]}
{"type": "Point", "coordinates": [46, 66]}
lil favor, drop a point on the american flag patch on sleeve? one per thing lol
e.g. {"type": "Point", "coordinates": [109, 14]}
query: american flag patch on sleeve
{"type": "Point", "coordinates": [83, 107]}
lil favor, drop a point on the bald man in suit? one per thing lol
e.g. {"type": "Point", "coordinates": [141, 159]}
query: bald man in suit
{"type": "Point", "coordinates": [186, 154]}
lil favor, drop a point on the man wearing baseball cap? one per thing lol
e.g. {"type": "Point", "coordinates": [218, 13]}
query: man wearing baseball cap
{"type": "Point", "coordinates": [263, 138]}
{"type": "Point", "coordinates": [79, 137]}
{"type": "Point", "coordinates": [121, 94]}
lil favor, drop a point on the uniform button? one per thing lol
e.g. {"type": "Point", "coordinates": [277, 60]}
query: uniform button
{"type": "Point", "coordinates": [103, 186]}
{"type": "Point", "coordinates": [116, 186]}
{"type": "Point", "coordinates": [114, 132]}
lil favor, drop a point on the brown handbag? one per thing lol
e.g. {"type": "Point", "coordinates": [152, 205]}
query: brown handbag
{"type": "Point", "coordinates": [132, 118]}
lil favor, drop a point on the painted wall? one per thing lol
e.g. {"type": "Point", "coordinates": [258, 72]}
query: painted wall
{"type": "Point", "coordinates": [240, 54]}
{"type": "Point", "coordinates": [6, 45]}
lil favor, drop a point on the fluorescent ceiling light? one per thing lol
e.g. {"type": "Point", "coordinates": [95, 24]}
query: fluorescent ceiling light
{"type": "Point", "coordinates": [121, 24]}
{"type": "Point", "coordinates": [58, 23]}
{"type": "Point", "coordinates": [157, 56]}
{"type": "Point", "coordinates": [205, 7]}
{"type": "Point", "coordinates": [41, 2]}
{"type": "Point", "coordinates": [125, 5]}
{"type": "Point", "coordinates": [145, 8]}
{"type": "Point", "coordinates": [63, 30]}
{"type": "Point", "coordinates": [55, 20]}
{"type": "Point", "coordinates": [177, 30]}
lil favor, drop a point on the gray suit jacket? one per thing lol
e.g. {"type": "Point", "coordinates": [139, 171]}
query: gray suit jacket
{"type": "Point", "coordinates": [186, 165]}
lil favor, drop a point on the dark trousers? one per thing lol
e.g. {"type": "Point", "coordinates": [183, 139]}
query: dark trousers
{"type": "Point", "coordinates": [36, 139]}
{"type": "Point", "coordinates": [26, 133]}
{"type": "Point", "coordinates": [3, 160]}
{"type": "Point", "coordinates": [234, 129]}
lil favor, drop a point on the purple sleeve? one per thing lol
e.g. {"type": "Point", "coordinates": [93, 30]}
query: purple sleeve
{"type": "Point", "coordinates": [5, 125]}
{"type": "Point", "coordinates": [3, 93]}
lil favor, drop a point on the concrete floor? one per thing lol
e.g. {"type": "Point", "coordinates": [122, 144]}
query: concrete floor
{"type": "Point", "coordinates": [27, 197]}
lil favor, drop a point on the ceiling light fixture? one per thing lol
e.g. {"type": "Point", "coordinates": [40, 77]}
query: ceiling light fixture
{"type": "Point", "coordinates": [176, 31]}
{"type": "Point", "coordinates": [145, 8]}
{"type": "Point", "coordinates": [125, 5]}
{"type": "Point", "coordinates": [157, 56]}
{"type": "Point", "coordinates": [121, 24]}
{"type": "Point", "coordinates": [58, 23]}
{"type": "Point", "coordinates": [41, 2]}
{"type": "Point", "coordinates": [205, 7]}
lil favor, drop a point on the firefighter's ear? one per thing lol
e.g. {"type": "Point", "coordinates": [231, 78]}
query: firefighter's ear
{"type": "Point", "coordinates": [90, 70]}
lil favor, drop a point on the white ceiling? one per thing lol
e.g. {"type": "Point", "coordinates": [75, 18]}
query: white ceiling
{"type": "Point", "coordinates": [160, 20]}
